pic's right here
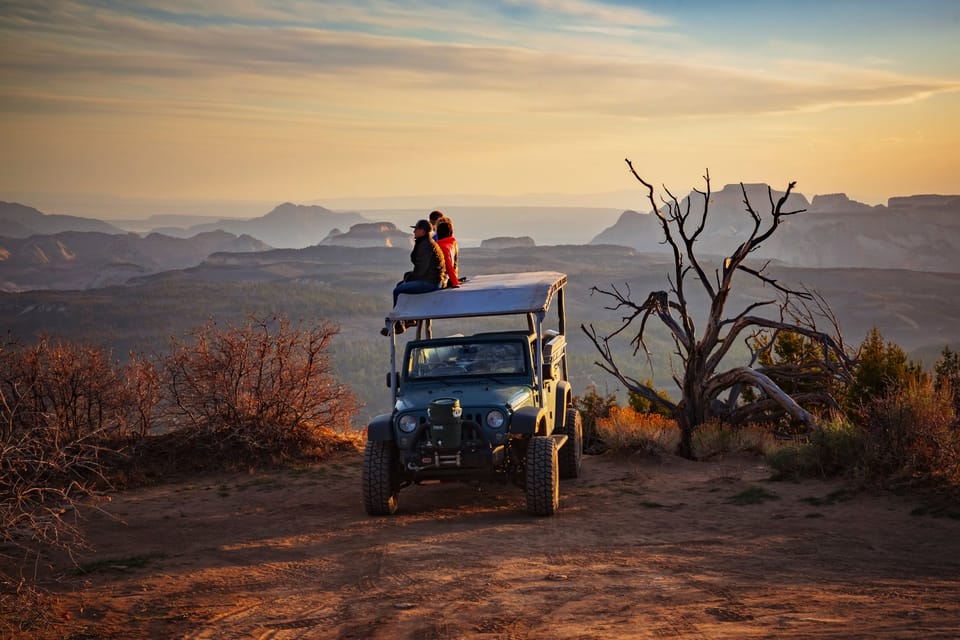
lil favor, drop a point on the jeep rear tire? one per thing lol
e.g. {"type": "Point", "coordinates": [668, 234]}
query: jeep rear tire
{"type": "Point", "coordinates": [543, 477]}
{"type": "Point", "coordinates": [381, 485]}
{"type": "Point", "coordinates": [571, 453]}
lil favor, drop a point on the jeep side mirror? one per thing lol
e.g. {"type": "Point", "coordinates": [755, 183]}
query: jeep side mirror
{"type": "Point", "coordinates": [395, 377]}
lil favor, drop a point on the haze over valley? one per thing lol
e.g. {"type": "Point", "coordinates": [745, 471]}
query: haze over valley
{"type": "Point", "coordinates": [162, 166]}
{"type": "Point", "coordinates": [893, 267]}
{"type": "Point", "coordinates": [39, 250]}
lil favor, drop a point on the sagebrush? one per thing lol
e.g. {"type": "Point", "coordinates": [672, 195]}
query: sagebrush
{"type": "Point", "coordinates": [72, 420]}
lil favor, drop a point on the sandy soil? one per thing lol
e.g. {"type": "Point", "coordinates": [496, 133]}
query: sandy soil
{"type": "Point", "coordinates": [639, 549]}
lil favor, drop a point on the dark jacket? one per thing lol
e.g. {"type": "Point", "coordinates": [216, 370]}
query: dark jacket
{"type": "Point", "coordinates": [428, 265]}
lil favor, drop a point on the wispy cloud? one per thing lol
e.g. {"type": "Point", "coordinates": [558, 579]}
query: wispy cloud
{"type": "Point", "coordinates": [500, 74]}
{"type": "Point", "coordinates": [596, 12]}
{"type": "Point", "coordinates": [122, 58]}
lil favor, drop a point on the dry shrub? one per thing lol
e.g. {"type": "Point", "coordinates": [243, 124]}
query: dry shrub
{"type": "Point", "coordinates": [72, 391]}
{"type": "Point", "coordinates": [41, 483]}
{"type": "Point", "coordinates": [910, 434]}
{"type": "Point", "coordinates": [188, 451]}
{"type": "Point", "coordinates": [715, 438]}
{"type": "Point", "coordinates": [626, 430]}
{"type": "Point", "coordinates": [234, 398]}
{"type": "Point", "coordinates": [24, 608]}
{"type": "Point", "coordinates": [905, 435]}
{"type": "Point", "coordinates": [57, 402]}
{"type": "Point", "coordinates": [263, 391]}
{"type": "Point", "coordinates": [43, 486]}
{"type": "Point", "coordinates": [142, 391]}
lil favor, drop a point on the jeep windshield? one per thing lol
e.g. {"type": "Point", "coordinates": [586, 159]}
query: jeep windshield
{"type": "Point", "coordinates": [467, 359]}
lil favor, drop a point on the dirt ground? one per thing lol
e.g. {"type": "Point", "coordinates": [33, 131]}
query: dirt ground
{"type": "Point", "coordinates": [639, 549]}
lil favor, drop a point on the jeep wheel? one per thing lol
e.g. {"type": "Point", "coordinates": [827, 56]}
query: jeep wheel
{"type": "Point", "coordinates": [543, 477]}
{"type": "Point", "coordinates": [381, 486]}
{"type": "Point", "coordinates": [571, 453]}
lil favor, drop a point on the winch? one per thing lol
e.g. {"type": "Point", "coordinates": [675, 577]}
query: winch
{"type": "Point", "coordinates": [446, 425]}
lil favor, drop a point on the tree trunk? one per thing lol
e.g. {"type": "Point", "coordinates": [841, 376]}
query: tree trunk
{"type": "Point", "coordinates": [685, 448]}
{"type": "Point", "coordinates": [691, 412]}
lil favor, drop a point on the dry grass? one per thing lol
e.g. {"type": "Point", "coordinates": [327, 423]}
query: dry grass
{"type": "Point", "coordinates": [716, 439]}
{"type": "Point", "coordinates": [627, 430]}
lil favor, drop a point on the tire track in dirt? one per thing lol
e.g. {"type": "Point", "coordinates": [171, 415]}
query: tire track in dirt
{"type": "Point", "coordinates": [639, 549]}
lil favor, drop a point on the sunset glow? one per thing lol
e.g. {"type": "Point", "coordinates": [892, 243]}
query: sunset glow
{"type": "Point", "coordinates": [306, 101]}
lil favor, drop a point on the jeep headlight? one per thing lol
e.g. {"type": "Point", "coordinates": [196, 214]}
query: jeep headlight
{"type": "Point", "coordinates": [495, 419]}
{"type": "Point", "coordinates": [408, 423]}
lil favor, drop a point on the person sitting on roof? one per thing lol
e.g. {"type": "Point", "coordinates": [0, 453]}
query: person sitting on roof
{"type": "Point", "coordinates": [429, 270]}
{"type": "Point", "coordinates": [435, 218]}
{"type": "Point", "coordinates": [451, 252]}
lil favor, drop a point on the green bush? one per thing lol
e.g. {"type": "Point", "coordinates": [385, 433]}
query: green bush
{"type": "Point", "coordinates": [593, 406]}
{"type": "Point", "coordinates": [834, 448]}
{"type": "Point", "coordinates": [947, 372]}
{"type": "Point", "coordinates": [880, 367]}
{"type": "Point", "coordinates": [642, 405]}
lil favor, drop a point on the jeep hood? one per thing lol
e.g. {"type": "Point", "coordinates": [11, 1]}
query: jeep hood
{"type": "Point", "coordinates": [477, 394]}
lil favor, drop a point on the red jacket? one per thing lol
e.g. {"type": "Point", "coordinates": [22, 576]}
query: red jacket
{"type": "Point", "coordinates": [451, 256]}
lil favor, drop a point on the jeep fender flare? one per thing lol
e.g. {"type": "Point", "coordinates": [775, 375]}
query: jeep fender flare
{"type": "Point", "coordinates": [562, 401]}
{"type": "Point", "coordinates": [380, 428]}
{"type": "Point", "coordinates": [526, 421]}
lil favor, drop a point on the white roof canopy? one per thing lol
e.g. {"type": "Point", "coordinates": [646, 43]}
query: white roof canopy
{"type": "Point", "coordinates": [488, 295]}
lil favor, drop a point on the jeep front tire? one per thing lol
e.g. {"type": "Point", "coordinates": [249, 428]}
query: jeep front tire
{"type": "Point", "coordinates": [381, 486]}
{"type": "Point", "coordinates": [543, 477]}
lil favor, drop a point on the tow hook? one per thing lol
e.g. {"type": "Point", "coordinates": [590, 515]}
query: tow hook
{"type": "Point", "coordinates": [436, 461]}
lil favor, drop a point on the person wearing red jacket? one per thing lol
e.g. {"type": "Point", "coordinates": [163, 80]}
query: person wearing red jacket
{"type": "Point", "coordinates": [451, 252]}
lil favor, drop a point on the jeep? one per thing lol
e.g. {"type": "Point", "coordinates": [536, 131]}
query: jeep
{"type": "Point", "coordinates": [490, 406]}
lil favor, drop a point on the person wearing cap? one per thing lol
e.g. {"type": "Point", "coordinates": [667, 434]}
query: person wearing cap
{"type": "Point", "coordinates": [429, 270]}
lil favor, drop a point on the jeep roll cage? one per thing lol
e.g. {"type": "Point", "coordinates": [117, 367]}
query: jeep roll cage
{"type": "Point", "coordinates": [530, 294]}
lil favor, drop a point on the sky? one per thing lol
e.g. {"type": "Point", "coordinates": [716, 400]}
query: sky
{"type": "Point", "coordinates": [542, 100]}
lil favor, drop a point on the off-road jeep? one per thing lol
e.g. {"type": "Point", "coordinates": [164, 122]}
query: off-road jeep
{"type": "Point", "coordinates": [493, 405]}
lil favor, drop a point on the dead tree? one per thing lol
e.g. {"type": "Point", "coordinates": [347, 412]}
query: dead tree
{"type": "Point", "coordinates": [700, 379]}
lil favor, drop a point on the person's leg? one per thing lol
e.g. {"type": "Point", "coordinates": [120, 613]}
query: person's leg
{"type": "Point", "coordinates": [413, 287]}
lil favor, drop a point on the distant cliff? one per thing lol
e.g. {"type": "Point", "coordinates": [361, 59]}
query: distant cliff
{"type": "Point", "coordinates": [80, 260]}
{"type": "Point", "coordinates": [507, 242]}
{"type": "Point", "coordinates": [288, 225]}
{"type": "Point", "coordinates": [21, 221]}
{"type": "Point", "coordinates": [917, 232]}
{"type": "Point", "coordinates": [370, 234]}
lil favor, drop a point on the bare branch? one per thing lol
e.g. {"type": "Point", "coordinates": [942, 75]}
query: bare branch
{"type": "Point", "coordinates": [630, 383]}
{"type": "Point", "coordinates": [758, 273]}
{"type": "Point", "coordinates": [829, 343]}
{"type": "Point", "coordinates": [701, 355]}
{"type": "Point", "coordinates": [657, 302]}
{"type": "Point", "coordinates": [757, 379]}
{"type": "Point", "coordinates": [762, 409]}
